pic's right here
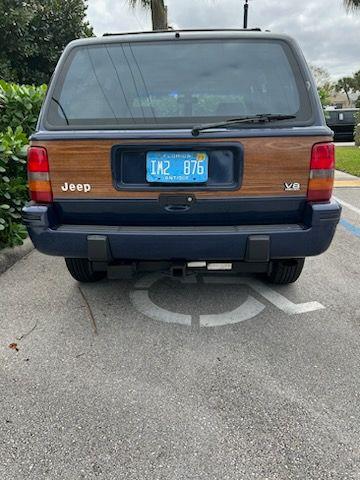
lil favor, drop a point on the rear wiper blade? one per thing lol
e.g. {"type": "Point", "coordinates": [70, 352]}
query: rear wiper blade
{"type": "Point", "coordinates": [259, 118]}
{"type": "Point", "coordinates": [61, 108]}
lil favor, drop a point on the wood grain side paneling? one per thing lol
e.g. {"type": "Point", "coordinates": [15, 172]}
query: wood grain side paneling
{"type": "Point", "coordinates": [268, 163]}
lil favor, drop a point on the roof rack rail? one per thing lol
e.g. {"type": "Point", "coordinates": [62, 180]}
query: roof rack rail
{"type": "Point", "coordinates": [185, 30]}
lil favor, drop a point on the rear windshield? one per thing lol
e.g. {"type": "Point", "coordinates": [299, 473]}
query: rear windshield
{"type": "Point", "coordinates": [176, 83]}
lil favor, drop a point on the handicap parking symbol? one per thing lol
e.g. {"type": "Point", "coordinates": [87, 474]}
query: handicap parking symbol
{"type": "Point", "coordinates": [247, 310]}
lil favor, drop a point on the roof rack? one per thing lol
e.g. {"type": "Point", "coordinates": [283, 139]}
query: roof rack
{"type": "Point", "coordinates": [186, 30]}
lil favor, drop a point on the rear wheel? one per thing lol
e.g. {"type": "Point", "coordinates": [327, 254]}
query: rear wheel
{"type": "Point", "coordinates": [286, 271]}
{"type": "Point", "coordinates": [81, 269]}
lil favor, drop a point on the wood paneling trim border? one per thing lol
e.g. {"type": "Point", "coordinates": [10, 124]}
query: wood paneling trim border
{"type": "Point", "coordinates": [269, 162]}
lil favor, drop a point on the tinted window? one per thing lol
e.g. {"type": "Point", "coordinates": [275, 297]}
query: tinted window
{"type": "Point", "coordinates": [177, 83]}
{"type": "Point", "coordinates": [334, 117]}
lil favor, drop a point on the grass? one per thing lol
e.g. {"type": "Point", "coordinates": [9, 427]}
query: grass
{"type": "Point", "coordinates": [348, 160]}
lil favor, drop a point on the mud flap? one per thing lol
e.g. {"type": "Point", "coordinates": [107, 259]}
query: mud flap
{"type": "Point", "coordinates": [257, 248]}
{"type": "Point", "coordinates": [98, 248]}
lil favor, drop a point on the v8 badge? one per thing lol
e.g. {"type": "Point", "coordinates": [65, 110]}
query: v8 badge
{"type": "Point", "coordinates": [292, 186]}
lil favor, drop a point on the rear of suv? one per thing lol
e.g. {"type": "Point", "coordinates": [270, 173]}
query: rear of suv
{"type": "Point", "coordinates": [203, 150]}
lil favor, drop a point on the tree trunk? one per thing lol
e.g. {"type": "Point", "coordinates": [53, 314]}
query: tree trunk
{"type": "Point", "coordinates": [347, 95]}
{"type": "Point", "coordinates": [159, 15]}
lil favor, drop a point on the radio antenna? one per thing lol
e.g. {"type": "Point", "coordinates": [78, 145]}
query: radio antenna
{"type": "Point", "coordinates": [246, 11]}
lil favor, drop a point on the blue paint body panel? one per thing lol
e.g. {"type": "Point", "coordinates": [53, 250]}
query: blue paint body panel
{"type": "Point", "coordinates": [311, 237]}
{"type": "Point", "coordinates": [149, 212]}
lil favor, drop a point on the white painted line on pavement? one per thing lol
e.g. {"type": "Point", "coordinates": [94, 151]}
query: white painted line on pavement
{"type": "Point", "coordinates": [249, 309]}
{"type": "Point", "coordinates": [269, 294]}
{"type": "Point", "coordinates": [141, 301]}
{"type": "Point", "coordinates": [348, 205]}
{"type": "Point", "coordinates": [281, 302]}
{"type": "Point", "coordinates": [147, 280]}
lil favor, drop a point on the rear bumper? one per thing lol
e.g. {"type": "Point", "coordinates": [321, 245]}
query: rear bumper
{"type": "Point", "coordinates": [254, 243]}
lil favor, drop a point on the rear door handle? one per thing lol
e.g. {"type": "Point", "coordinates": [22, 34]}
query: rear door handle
{"type": "Point", "coordinates": [177, 203]}
{"type": "Point", "coordinates": [177, 208]}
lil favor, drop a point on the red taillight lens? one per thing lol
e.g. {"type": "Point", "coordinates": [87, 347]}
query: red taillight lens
{"type": "Point", "coordinates": [38, 175]}
{"type": "Point", "coordinates": [322, 166]}
{"type": "Point", "coordinates": [37, 160]}
{"type": "Point", "coordinates": [323, 156]}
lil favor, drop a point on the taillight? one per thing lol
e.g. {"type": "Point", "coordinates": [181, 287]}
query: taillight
{"type": "Point", "coordinates": [38, 175]}
{"type": "Point", "coordinates": [322, 166]}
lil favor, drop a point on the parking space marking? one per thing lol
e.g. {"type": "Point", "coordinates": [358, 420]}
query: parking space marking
{"type": "Point", "coordinates": [281, 302]}
{"type": "Point", "coordinates": [147, 280]}
{"type": "Point", "coordinates": [347, 205]}
{"type": "Point", "coordinates": [350, 227]}
{"type": "Point", "coordinates": [249, 309]}
{"type": "Point", "coordinates": [346, 183]}
{"type": "Point", "coordinates": [142, 302]}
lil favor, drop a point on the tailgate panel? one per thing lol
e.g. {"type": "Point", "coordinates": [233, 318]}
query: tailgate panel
{"type": "Point", "coordinates": [268, 163]}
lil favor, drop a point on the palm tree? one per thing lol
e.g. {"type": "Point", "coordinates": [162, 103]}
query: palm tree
{"type": "Point", "coordinates": [344, 85]}
{"type": "Point", "coordinates": [352, 4]}
{"type": "Point", "coordinates": [158, 12]}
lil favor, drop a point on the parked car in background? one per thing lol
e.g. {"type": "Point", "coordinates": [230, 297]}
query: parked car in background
{"type": "Point", "coordinates": [342, 122]}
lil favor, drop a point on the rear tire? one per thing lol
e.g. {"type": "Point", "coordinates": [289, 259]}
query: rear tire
{"type": "Point", "coordinates": [81, 269]}
{"type": "Point", "coordinates": [286, 271]}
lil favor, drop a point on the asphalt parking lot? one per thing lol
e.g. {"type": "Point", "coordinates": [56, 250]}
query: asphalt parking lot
{"type": "Point", "coordinates": [154, 378]}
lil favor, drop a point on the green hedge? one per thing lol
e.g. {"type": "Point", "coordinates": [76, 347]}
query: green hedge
{"type": "Point", "coordinates": [19, 109]}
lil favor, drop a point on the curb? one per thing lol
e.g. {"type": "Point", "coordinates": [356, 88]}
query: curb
{"type": "Point", "coordinates": [9, 256]}
{"type": "Point", "coordinates": [341, 175]}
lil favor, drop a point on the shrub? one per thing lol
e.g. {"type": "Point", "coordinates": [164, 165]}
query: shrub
{"type": "Point", "coordinates": [20, 106]}
{"type": "Point", "coordinates": [12, 186]}
{"type": "Point", "coordinates": [19, 109]}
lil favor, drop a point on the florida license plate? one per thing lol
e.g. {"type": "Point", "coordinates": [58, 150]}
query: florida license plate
{"type": "Point", "coordinates": [177, 167]}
